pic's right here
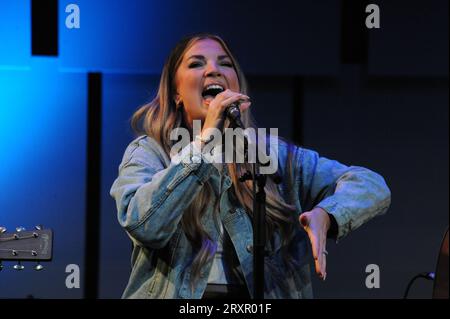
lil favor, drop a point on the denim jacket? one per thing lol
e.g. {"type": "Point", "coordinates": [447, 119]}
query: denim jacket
{"type": "Point", "coordinates": [151, 193]}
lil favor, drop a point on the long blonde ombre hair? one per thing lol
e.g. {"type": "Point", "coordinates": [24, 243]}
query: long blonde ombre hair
{"type": "Point", "coordinates": [159, 117]}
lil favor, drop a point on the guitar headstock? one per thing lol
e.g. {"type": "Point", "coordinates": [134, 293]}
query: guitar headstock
{"type": "Point", "coordinates": [23, 245]}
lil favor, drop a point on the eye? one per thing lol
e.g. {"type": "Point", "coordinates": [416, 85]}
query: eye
{"type": "Point", "coordinates": [227, 64]}
{"type": "Point", "coordinates": [194, 65]}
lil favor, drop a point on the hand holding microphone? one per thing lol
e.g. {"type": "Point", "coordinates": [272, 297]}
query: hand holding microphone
{"type": "Point", "coordinates": [225, 103]}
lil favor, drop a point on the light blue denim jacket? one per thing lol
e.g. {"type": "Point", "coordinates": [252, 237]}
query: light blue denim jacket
{"type": "Point", "coordinates": [151, 193]}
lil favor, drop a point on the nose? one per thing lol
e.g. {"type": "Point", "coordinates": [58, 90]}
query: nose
{"type": "Point", "coordinates": [212, 70]}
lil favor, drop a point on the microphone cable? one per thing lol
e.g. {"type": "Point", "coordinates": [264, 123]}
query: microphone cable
{"type": "Point", "coordinates": [425, 275]}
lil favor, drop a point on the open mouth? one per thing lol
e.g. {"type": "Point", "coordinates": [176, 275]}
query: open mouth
{"type": "Point", "coordinates": [210, 91]}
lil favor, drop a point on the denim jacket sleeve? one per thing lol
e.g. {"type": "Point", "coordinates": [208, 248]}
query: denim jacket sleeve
{"type": "Point", "coordinates": [151, 192]}
{"type": "Point", "coordinates": [352, 194]}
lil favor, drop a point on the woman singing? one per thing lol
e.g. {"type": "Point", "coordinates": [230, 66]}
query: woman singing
{"type": "Point", "coordinates": [190, 220]}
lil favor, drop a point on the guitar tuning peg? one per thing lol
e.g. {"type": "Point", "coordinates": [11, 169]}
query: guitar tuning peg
{"type": "Point", "coordinates": [20, 228]}
{"type": "Point", "coordinates": [38, 267]}
{"type": "Point", "coordinates": [19, 266]}
{"type": "Point", "coordinates": [2, 229]}
{"type": "Point", "coordinates": [38, 227]}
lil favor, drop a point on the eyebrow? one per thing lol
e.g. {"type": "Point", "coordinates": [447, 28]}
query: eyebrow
{"type": "Point", "coordinates": [201, 57]}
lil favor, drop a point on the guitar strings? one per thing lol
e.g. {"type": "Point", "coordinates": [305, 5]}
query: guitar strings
{"type": "Point", "coordinates": [35, 235]}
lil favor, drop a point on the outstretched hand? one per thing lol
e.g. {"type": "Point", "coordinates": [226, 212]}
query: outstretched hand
{"type": "Point", "coordinates": [316, 224]}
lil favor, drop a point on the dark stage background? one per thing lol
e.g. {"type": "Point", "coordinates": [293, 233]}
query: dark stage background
{"type": "Point", "coordinates": [371, 97]}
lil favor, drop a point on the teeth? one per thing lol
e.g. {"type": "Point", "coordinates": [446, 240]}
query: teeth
{"type": "Point", "coordinates": [214, 86]}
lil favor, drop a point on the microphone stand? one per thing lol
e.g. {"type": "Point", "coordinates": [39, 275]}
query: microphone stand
{"type": "Point", "coordinates": [259, 219]}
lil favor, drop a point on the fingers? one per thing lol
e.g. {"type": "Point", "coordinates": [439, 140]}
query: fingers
{"type": "Point", "coordinates": [234, 98]}
{"type": "Point", "coordinates": [227, 97]}
{"type": "Point", "coordinates": [316, 248]}
{"type": "Point", "coordinates": [322, 258]}
{"type": "Point", "coordinates": [324, 267]}
{"type": "Point", "coordinates": [244, 106]}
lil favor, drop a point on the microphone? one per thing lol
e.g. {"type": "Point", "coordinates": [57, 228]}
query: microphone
{"type": "Point", "coordinates": [234, 114]}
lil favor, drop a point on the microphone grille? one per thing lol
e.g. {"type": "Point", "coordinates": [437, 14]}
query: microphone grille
{"type": "Point", "coordinates": [233, 110]}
